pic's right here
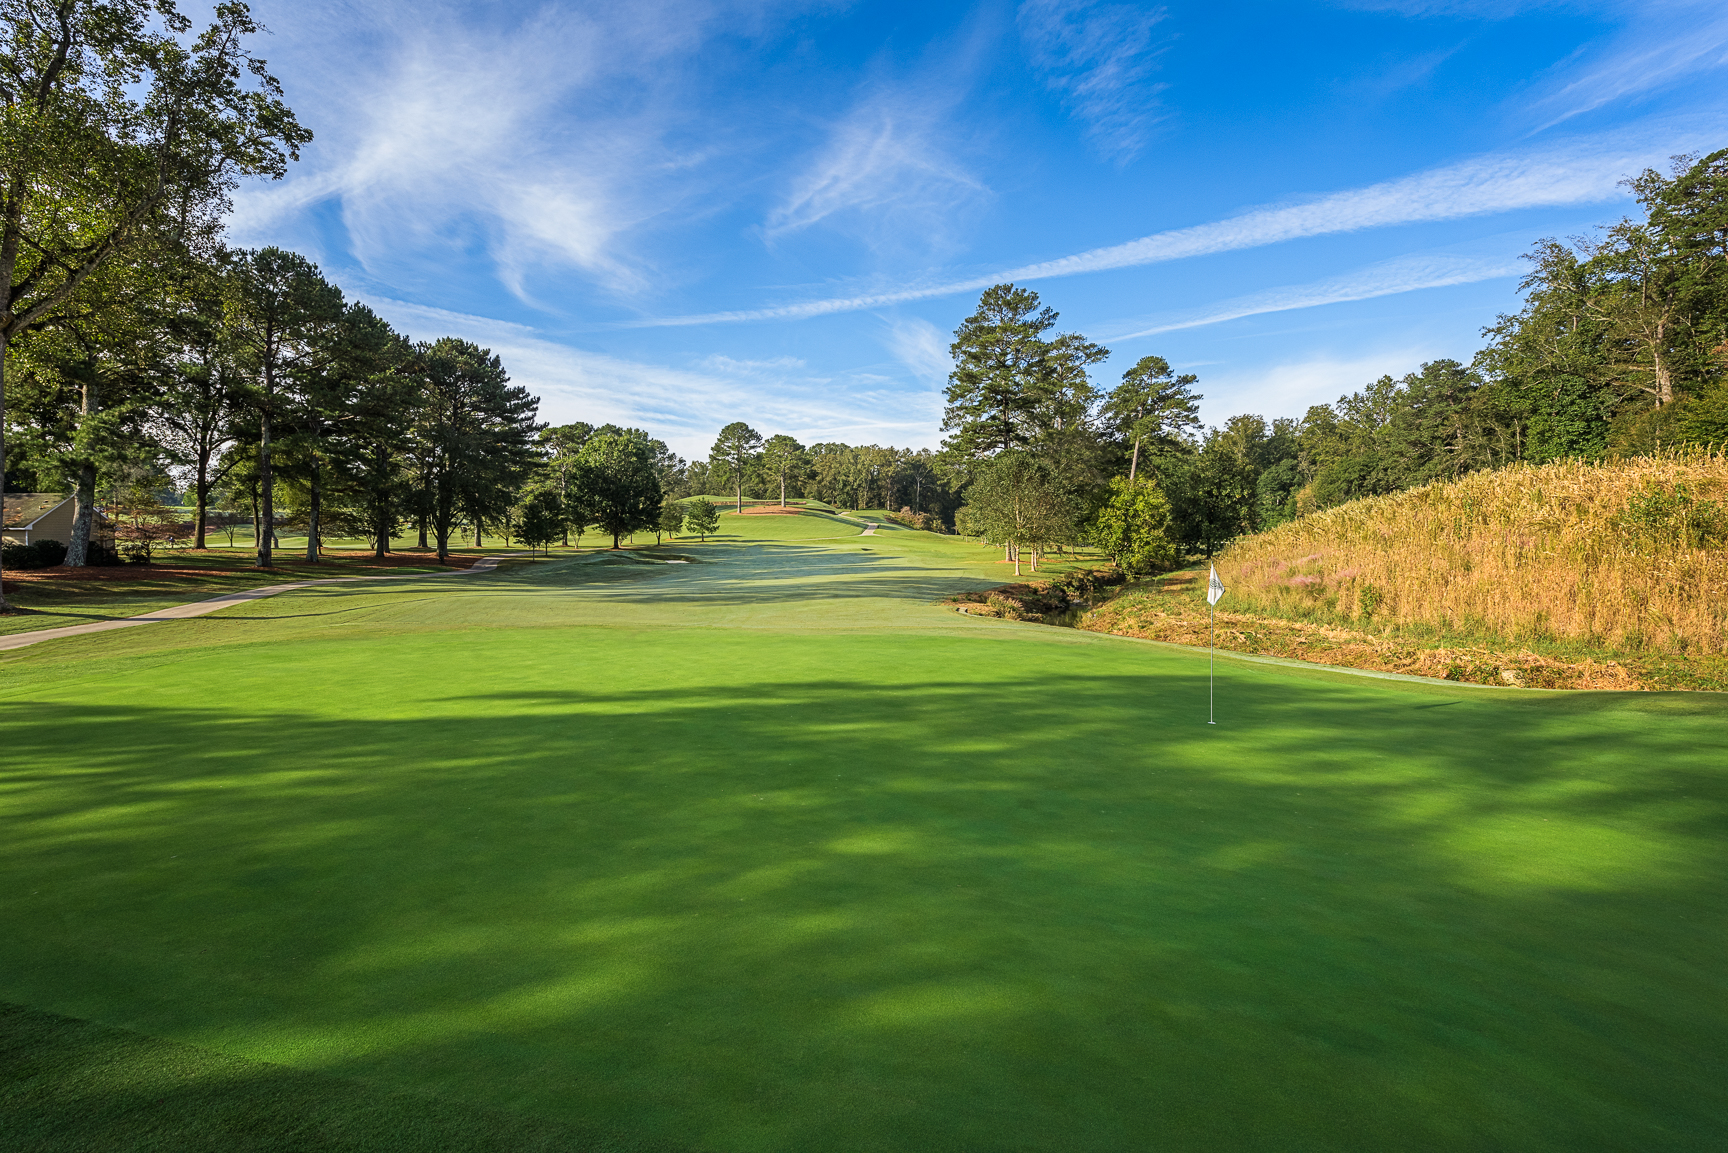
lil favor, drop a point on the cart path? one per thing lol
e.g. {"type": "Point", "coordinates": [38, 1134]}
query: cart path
{"type": "Point", "coordinates": [200, 608]}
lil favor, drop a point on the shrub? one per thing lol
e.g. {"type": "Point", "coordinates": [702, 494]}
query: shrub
{"type": "Point", "coordinates": [35, 555]}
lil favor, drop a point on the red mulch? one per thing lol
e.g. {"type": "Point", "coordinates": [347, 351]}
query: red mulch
{"type": "Point", "coordinates": [771, 510]}
{"type": "Point", "coordinates": [292, 565]}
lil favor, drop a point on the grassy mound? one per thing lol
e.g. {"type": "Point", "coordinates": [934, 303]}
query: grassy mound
{"type": "Point", "coordinates": [1630, 556]}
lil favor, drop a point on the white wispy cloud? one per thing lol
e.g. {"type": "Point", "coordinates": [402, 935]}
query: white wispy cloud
{"type": "Point", "coordinates": [884, 167]}
{"type": "Point", "coordinates": [1099, 58]}
{"type": "Point", "coordinates": [1663, 44]}
{"type": "Point", "coordinates": [445, 131]}
{"type": "Point", "coordinates": [1578, 172]}
{"type": "Point", "coordinates": [1387, 278]}
{"type": "Point", "coordinates": [921, 347]}
{"type": "Point", "coordinates": [683, 406]}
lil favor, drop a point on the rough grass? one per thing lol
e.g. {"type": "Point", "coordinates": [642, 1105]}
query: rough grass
{"type": "Point", "coordinates": [770, 853]}
{"type": "Point", "coordinates": [1630, 556]}
{"type": "Point", "coordinates": [1172, 609]}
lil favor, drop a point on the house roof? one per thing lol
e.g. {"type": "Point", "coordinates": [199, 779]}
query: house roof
{"type": "Point", "coordinates": [23, 509]}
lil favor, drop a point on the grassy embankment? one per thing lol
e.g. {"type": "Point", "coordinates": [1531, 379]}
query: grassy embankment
{"type": "Point", "coordinates": [1567, 575]}
{"type": "Point", "coordinates": [766, 852]}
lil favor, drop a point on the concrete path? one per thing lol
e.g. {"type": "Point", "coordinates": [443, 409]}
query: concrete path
{"type": "Point", "coordinates": [200, 608]}
{"type": "Point", "coordinates": [869, 529]}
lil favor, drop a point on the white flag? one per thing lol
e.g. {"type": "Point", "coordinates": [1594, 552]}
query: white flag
{"type": "Point", "coordinates": [1214, 588]}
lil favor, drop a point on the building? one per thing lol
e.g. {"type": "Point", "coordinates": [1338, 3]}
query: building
{"type": "Point", "coordinates": [33, 516]}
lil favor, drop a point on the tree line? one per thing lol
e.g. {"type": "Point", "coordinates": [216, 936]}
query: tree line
{"type": "Point", "coordinates": [1621, 347]}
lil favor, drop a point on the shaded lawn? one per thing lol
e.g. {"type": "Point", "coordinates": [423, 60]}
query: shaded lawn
{"type": "Point", "coordinates": [875, 890]}
{"type": "Point", "coordinates": [67, 1084]}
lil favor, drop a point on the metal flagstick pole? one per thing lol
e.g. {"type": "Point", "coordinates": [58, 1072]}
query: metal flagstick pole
{"type": "Point", "coordinates": [1214, 590]}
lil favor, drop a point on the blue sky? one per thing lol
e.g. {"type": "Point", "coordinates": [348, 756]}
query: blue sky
{"type": "Point", "coordinates": [677, 215]}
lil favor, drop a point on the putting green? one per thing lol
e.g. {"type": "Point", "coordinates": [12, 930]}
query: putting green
{"type": "Point", "coordinates": [765, 852]}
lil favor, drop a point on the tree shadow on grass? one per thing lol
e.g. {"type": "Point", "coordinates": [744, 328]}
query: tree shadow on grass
{"type": "Point", "coordinates": [1053, 910]}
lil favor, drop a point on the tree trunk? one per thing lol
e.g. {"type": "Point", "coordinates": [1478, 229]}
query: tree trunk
{"type": "Point", "coordinates": [316, 514]}
{"type": "Point", "coordinates": [1134, 463]}
{"type": "Point", "coordinates": [83, 516]}
{"type": "Point", "coordinates": [615, 537]}
{"type": "Point", "coordinates": [255, 521]}
{"type": "Point", "coordinates": [782, 490]}
{"type": "Point", "coordinates": [423, 543]}
{"type": "Point", "coordinates": [266, 483]}
{"type": "Point", "coordinates": [477, 532]}
{"type": "Point", "coordinates": [5, 340]}
{"type": "Point", "coordinates": [201, 495]}
{"type": "Point", "coordinates": [738, 481]}
{"type": "Point", "coordinates": [78, 548]}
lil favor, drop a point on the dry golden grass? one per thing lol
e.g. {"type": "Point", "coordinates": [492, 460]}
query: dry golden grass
{"type": "Point", "coordinates": [1629, 555]}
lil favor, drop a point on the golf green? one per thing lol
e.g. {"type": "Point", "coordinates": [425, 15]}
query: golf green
{"type": "Point", "coordinates": [763, 851]}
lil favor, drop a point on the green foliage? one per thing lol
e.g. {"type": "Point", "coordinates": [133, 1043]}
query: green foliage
{"type": "Point", "coordinates": [619, 486]}
{"type": "Point", "coordinates": [671, 521]}
{"type": "Point", "coordinates": [1133, 527]}
{"type": "Point", "coordinates": [701, 518]}
{"type": "Point", "coordinates": [1018, 502]}
{"type": "Point", "coordinates": [35, 555]}
{"type": "Point", "coordinates": [541, 519]}
{"type": "Point", "coordinates": [1660, 517]}
{"type": "Point", "coordinates": [1002, 373]}
{"type": "Point", "coordinates": [735, 450]}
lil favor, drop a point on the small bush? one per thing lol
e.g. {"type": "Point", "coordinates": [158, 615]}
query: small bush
{"type": "Point", "coordinates": [918, 520]}
{"type": "Point", "coordinates": [37, 554]}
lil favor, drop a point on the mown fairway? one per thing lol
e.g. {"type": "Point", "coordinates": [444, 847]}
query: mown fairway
{"type": "Point", "coordinates": [766, 853]}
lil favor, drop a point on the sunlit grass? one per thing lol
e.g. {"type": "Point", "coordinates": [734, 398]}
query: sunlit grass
{"type": "Point", "coordinates": [768, 853]}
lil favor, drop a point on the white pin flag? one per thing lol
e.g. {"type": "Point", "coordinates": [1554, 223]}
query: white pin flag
{"type": "Point", "coordinates": [1214, 590]}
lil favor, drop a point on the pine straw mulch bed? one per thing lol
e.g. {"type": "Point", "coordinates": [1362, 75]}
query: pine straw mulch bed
{"type": "Point", "coordinates": [168, 574]}
{"type": "Point", "coordinates": [337, 562]}
{"type": "Point", "coordinates": [1169, 611]}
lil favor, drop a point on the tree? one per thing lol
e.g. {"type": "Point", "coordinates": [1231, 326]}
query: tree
{"type": "Point", "coordinates": [784, 459]}
{"type": "Point", "coordinates": [541, 519]}
{"type": "Point", "coordinates": [282, 316]}
{"type": "Point", "coordinates": [671, 520]}
{"type": "Point", "coordinates": [323, 409]}
{"type": "Point", "coordinates": [701, 518]}
{"type": "Point", "coordinates": [1133, 527]}
{"type": "Point", "coordinates": [479, 429]}
{"type": "Point", "coordinates": [1017, 502]}
{"type": "Point", "coordinates": [203, 394]}
{"type": "Point", "coordinates": [114, 133]}
{"type": "Point", "coordinates": [1002, 373]}
{"type": "Point", "coordinates": [619, 485]}
{"type": "Point", "coordinates": [736, 447]}
{"type": "Point", "coordinates": [1152, 404]}
{"type": "Point", "coordinates": [560, 444]}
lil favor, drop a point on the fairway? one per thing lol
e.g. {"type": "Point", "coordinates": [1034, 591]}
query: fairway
{"type": "Point", "coordinates": [764, 852]}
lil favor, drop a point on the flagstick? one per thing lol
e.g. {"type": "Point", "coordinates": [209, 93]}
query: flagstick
{"type": "Point", "coordinates": [1214, 590]}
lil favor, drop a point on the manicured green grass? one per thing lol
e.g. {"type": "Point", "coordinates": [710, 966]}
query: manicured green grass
{"type": "Point", "coordinates": [764, 852]}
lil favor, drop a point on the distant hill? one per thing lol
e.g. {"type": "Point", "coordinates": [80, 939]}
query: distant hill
{"type": "Point", "coordinates": [1630, 555]}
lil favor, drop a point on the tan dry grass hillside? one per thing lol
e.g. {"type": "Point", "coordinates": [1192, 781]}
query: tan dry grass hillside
{"type": "Point", "coordinates": [1630, 555]}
